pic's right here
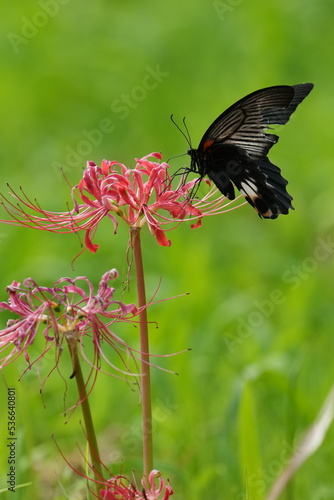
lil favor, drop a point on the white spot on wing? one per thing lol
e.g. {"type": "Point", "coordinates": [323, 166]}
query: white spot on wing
{"type": "Point", "coordinates": [249, 189]}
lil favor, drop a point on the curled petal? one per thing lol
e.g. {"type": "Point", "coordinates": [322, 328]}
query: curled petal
{"type": "Point", "coordinates": [92, 247]}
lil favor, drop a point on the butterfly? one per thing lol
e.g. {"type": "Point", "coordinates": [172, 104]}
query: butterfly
{"type": "Point", "coordinates": [233, 151]}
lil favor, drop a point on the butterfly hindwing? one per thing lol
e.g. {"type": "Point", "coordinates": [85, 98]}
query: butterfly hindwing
{"type": "Point", "coordinates": [234, 148]}
{"type": "Point", "coordinates": [244, 173]}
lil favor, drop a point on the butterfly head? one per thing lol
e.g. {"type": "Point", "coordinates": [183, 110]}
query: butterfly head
{"type": "Point", "coordinates": [195, 162]}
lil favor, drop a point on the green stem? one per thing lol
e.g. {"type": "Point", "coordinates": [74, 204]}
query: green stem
{"type": "Point", "coordinates": [145, 356]}
{"type": "Point", "coordinates": [87, 415]}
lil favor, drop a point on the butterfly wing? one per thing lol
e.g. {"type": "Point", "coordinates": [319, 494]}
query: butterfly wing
{"type": "Point", "coordinates": [234, 148]}
{"type": "Point", "coordinates": [243, 124]}
{"type": "Point", "coordinates": [260, 182]}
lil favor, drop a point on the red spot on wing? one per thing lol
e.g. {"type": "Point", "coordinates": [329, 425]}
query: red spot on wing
{"type": "Point", "coordinates": [207, 144]}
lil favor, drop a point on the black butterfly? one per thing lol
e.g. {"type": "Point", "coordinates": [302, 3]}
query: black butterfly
{"type": "Point", "coordinates": [234, 148]}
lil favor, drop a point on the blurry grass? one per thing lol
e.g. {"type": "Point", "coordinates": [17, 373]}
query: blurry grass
{"type": "Point", "coordinates": [242, 396]}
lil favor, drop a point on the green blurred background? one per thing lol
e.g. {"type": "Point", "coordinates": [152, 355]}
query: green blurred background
{"type": "Point", "coordinates": [260, 367]}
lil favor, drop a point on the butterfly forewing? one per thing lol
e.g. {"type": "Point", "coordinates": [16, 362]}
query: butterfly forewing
{"type": "Point", "coordinates": [244, 123]}
{"type": "Point", "coordinates": [280, 116]}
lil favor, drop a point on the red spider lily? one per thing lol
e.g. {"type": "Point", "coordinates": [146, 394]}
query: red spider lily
{"type": "Point", "coordinates": [139, 196]}
{"type": "Point", "coordinates": [118, 488]}
{"type": "Point", "coordinates": [64, 311]}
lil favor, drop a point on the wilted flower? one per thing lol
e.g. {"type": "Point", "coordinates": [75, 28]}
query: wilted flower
{"type": "Point", "coordinates": [139, 196]}
{"type": "Point", "coordinates": [64, 311]}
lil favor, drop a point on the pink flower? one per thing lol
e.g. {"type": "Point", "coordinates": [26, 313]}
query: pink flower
{"type": "Point", "coordinates": [139, 196]}
{"type": "Point", "coordinates": [119, 489]}
{"type": "Point", "coordinates": [65, 311]}
{"type": "Point", "coordinates": [158, 488]}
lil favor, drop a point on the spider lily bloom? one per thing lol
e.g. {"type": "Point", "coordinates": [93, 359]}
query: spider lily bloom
{"type": "Point", "coordinates": [118, 489]}
{"type": "Point", "coordinates": [64, 311]}
{"type": "Point", "coordinates": [139, 196]}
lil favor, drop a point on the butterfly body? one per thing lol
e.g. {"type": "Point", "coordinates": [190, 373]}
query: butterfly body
{"type": "Point", "coordinates": [233, 151]}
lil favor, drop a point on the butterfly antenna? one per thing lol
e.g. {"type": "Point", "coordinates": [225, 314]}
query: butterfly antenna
{"type": "Point", "coordinates": [187, 130]}
{"type": "Point", "coordinates": [187, 135]}
{"type": "Point", "coordinates": [183, 171]}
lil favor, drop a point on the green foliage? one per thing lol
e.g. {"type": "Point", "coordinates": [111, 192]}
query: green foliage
{"type": "Point", "coordinates": [249, 447]}
{"type": "Point", "coordinates": [99, 80]}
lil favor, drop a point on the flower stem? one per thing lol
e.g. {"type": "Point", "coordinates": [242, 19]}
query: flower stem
{"type": "Point", "coordinates": [145, 356]}
{"type": "Point", "coordinates": [87, 415]}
